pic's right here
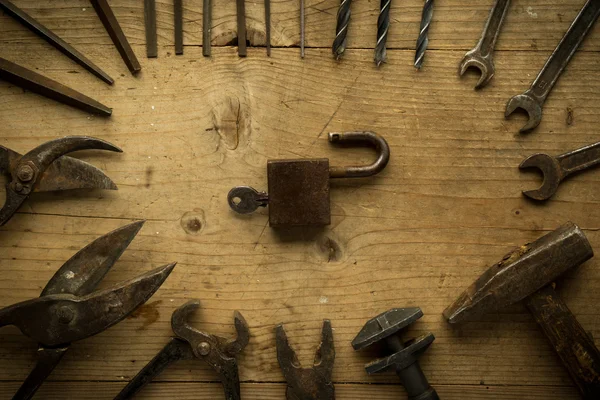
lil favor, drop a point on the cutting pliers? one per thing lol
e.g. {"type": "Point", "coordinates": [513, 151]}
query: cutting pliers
{"type": "Point", "coordinates": [46, 168]}
{"type": "Point", "coordinates": [190, 343]}
{"type": "Point", "coordinates": [70, 309]}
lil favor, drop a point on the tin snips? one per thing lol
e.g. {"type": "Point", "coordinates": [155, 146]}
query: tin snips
{"type": "Point", "coordinates": [71, 309]}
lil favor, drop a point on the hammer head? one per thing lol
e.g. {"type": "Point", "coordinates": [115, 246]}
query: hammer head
{"type": "Point", "coordinates": [522, 272]}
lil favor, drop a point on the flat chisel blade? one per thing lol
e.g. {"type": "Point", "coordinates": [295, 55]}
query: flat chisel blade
{"type": "Point", "coordinates": [206, 26]}
{"type": "Point", "coordinates": [150, 22]}
{"type": "Point", "coordinates": [37, 83]}
{"type": "Point", "coordinates": [178, 15]}
{"type": "Point", "coordinates": [54, 40]}
{"type": "Point", "coordinates": [116, 34]}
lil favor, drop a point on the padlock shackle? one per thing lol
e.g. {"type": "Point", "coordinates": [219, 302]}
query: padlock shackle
{"type": "Point", "coordinates": [381, 146]}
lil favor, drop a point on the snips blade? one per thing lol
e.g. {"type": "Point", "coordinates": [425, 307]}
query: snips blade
{"type": "Point", "coordinates": [59, 319]}
{"type": "Point", "coordinates": [45, 169]}
{"type": "Point", "coordinates": [80, 275]}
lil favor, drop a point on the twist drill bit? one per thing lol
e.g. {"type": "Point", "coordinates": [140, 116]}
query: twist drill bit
{"type": "Point", "coordinates": [301, 28]}
{"type": "Point", "coordinates": [423, 39]}
{"type": "Point", "coordinates": [341, 29]}
{"type": "Point", "coordinates": [383, 25]}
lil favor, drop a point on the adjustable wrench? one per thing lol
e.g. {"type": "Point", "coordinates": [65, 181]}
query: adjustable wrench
{"type": "Point", "coordinates": [533, 99]}
{"type": "Point", "coordinates": [481, 57]}
{"type": "Point", "coordinates": [555, 169]}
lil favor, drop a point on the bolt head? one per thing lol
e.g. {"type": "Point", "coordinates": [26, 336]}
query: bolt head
{"type": "Point", "coordinates": [25, 173]}
{"type": "Point", "coordinates": [65, 315]}
{"type": "Point", "coordinates": [203, 348]}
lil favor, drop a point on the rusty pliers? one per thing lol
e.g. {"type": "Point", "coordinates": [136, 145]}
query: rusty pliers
{"type": "Point", "coordinates": [307, 383]}
{"type": "Point", "coordinates": [218, 352]}
{"type": "Point", "coordinates": [46, 168]}
{"type": "Point", "coordinates": [70, 308]}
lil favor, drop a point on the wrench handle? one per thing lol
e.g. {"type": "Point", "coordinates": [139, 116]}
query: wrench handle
{"type": "Point", "coordinates": [492, 28]}
{"type": "Point", "coordinates": [565, 50]}
{"type": "Point", "coordinates": [580, 159]}
{"type": "Point", "coordinates": [574, 346]}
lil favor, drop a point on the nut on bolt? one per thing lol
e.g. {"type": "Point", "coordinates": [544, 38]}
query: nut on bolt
{"type": "Point", "coordinates": [25, 173]}
{"type": "Point", "coordinates": [386, 327]}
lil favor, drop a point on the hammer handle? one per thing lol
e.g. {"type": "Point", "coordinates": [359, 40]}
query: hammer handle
{"type": "Point", "coordinates": [573, 344]}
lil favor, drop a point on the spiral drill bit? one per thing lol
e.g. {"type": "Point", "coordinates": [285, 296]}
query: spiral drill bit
{"type": "Point", "coordinates": [341, 29]}
{"type": "Point", "coordinates": [423, 39]}
{"type": "Point", "coordinates": [383, 25]}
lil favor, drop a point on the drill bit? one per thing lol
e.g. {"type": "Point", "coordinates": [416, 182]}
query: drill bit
{"type": "Point", "coordinates": [341, 29]}
{"type": "Point", "coordinates": [423, 39]}
{"type": "Point", "coordinates": [150, 21]}
{"type": "Point", "coordinates": [383, 25]}
{"type": "Point", "coordinates": [302, 28]}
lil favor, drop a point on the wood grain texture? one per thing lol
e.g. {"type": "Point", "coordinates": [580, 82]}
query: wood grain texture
{"type": "Point", "coordinates": [448, 205]}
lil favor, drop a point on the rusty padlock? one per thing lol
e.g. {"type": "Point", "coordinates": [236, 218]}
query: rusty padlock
{"type": "Point", "coordinates": [299, 189]}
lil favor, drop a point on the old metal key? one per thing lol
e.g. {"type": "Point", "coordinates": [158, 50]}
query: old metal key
{"type": "Point", "coordinates": [481, 57]}
{"type": "Point", "coordinates": [533, 99]}
{"type": "Point", "coordinates": [299, 189]}
{"type": "Point", "coordinates": [556, 169]}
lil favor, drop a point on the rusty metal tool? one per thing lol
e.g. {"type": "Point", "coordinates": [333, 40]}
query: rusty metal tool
{"type": "Point", "coordinates": [383, 26]}
{"type": "Point", "coordinates": [50, 37]}
{"type": "Point", "coordinates": [302, 17]}
{"type": "Point", "coordinates": [268, 26]}
{"type": "Point", "coordinates": [532, 100]}
{"type": "Point", "coordinates": [241, 27]}
{"type": "Point", "coordinates": [299, 189]}
{"type": "Point", "coordinates": [556, 168]}
{"type": "Point", "coordinates": [341, 29]}
{"type": "Point", "coordinates": [528, 273]}
{"type": "Point", "coordinates": [482, 56]}
{"type": "Point", "coordinates": [70, 308]}
{"type": "Point", "coordinates": [307, 383]}
{"type": "Point", "coordinates": [386, 328]}
{"type": "Point", "coordinates": [150, 25]}
{"type": "Point", "coordinates": [117, 35]}
{"type": "Point", "coordinates": [206, 26]}
{"type": "Point", "coordinates": [190, 343]}
{"type": "Point", "coordinates": [46, 168]}
{"type": "Point", "coordinates": [178, 22]}
{"type": "Point", "coordinates": [47, 87]}
{"type": "Point", "coordinates": [423, 39]}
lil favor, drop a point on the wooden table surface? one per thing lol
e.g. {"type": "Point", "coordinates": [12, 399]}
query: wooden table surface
{"type": "Point", "coordinates": [448, 205]}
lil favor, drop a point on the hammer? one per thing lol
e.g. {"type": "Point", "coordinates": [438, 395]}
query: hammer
{"type": "Point", "coordinates": [528, 274]}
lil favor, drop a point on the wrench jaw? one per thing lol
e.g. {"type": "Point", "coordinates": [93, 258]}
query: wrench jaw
{"type": "Point", "coordinates": [474, 60]}
{"type": "Point", "coordinates": [551, 172]}
{"type": "Point", "coordinates": [530, 105]}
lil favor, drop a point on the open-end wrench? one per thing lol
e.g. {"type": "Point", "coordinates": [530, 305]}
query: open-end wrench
{"type": "Point", "coordinates": [481, 57]}
{"type": "Point", "coordinates": [556, 169]}
{"type": "Point", "coordinates": [533, 99]}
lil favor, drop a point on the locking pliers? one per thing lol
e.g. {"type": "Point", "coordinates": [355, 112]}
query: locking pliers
{"type": "Point", "coordinates": [218, 352]}
{"type": "Point", "coordinates": [70, 309]}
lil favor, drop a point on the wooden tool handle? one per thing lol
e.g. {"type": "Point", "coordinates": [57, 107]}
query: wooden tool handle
{"type": "Point", "coordinates": [574, 346]}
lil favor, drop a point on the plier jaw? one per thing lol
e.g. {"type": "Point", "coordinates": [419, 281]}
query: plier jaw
{"type": "Point", "coordinates": [308, 383]}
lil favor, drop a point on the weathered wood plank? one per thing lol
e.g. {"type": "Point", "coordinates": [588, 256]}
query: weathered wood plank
{"type": "Point", "coordinates": [447, 206]}
{"type": "Point", "coordinates": [457, 24]}
{"type": "Point", "coordinates": [262, 391]}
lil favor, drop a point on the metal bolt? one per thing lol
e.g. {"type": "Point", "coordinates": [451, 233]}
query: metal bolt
{"type": "Point", "coordinates": [18, 187]}
{"type": "Point", "coordinates": [65, 315]}
{"type": "Point", "coordinates": [203, 348]}
{"type": "Point", "coordinates": [25, 173]}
